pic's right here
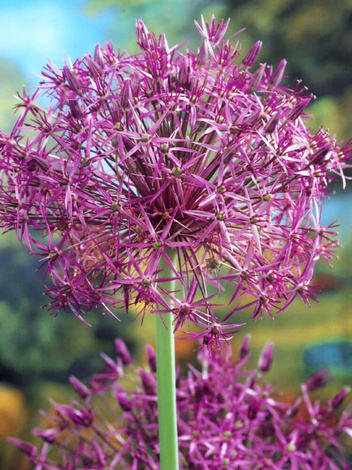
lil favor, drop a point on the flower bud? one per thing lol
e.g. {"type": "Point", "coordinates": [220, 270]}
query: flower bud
{"type": "Point", "coordinates": [253, 408]}
{"type": "Point", "coordinates": [124, 402]}
{"type": "Point", "coordinates": [126, 95]}
{"type": "Point", "coordinates": [149, 382]}
{"type": "Point", "coordinates": [122, 352]}
{"type": "Point", "coordinates": [257, 77]}
{"type": "Point", "coordinates": [244, 351]}
{"type": "Point", "coordinates": [80, 416]}
{"type": "Point", "coordinates": [48, 435]}
{"type": "Point", "coordinates": [143, 36]}
{"type": "Point", "coordinates": [202, 56]}
{"type": "Point", "coordinates": [298, 108]}
{"type": "Point", "coordinates": [71, 79]}
{"type": "Point", "coordinates": [112, 365]}
{"type": "Point", "coordinates": [80, 388]}
{"type": "Point", "coordinates": [277, 74]}
{"type": "Point", "coordinates": [24, 447]}
{"type": "Point", "coordinates": [75, 109]}
{"type": "Point", "coordinates": [272, 123]}
{"type": "Point", "coordinates": [339, 397]}
{"type": "Point", "coordinates": [94, 68]}
{"type": "Point", "coordinates": [151, 358]}
{"type": "Point", "coordinates": [252, 55]}
{"type": "Point", "coordinates": [98, 56]}
{"type": "Point", "coordinates": [318, 380]}
{"type": "Point", "coordinates": [266, 358]}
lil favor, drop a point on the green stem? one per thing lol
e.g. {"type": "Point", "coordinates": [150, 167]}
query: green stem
{"type": "Point", "coordinates": [165, 363]}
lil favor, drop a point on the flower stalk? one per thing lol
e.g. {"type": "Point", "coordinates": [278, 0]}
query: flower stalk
{"type": "Point", "coordinates": [165, 368]}
{"type": "Point", "coordinates": [165, 356]}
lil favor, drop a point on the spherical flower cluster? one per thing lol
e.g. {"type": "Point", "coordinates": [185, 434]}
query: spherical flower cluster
{"type": "Point", "coordinates": [228, 418]}
{"type": "Point", "coordinates": [170, 166]}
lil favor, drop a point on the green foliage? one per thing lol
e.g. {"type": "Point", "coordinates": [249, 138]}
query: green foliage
{"type": "Point", "coordinates": [316, 39]}
{"type": "Point", "coordinates": [173, 17]}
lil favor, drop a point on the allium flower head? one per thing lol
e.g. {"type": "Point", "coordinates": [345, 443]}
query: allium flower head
{"type": "Point", "coordinates": [164, 165]}
{"type": "Point", "coordinates": [228, 418]}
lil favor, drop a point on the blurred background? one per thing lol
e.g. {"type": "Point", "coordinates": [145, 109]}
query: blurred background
{"type": "Point", "coordinates": [37, 352]}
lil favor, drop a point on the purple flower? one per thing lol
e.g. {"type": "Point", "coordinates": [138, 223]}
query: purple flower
{"type": "Point", "coordinates": [190, 161]}
{"type": "Point", "coordinates": [228, 417]}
